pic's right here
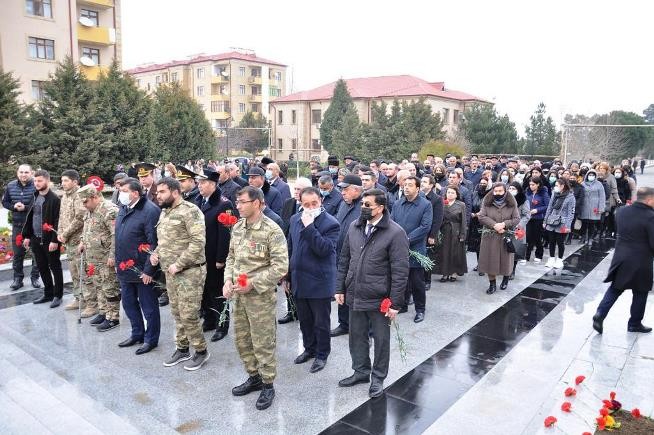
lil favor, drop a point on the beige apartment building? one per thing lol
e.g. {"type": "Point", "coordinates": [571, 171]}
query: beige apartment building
{"type": "Point", "coordinates": [37, 34]}
{"type": "Point", "coordinates": [296, 118]}
{"type": "Point", "coordinates": [226, 85]}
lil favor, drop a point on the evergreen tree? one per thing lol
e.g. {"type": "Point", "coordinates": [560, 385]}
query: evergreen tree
{"type": "Point", "coordinates": [340, 107]}
{"type": "Point", "coordinates": [182, 131]}
{"type": "Point", "coordinates": [255, 140]}
{"type": "Point", "coordinates": [487, 132]}
{"type": "Point", "coordinates": [541, 136]}
{"type": "Point", "coordinates": [347, 138]}
{"type": "Point", "coordinates": [12, 126]}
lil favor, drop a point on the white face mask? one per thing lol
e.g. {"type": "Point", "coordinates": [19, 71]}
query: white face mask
{"type": "Point", "coordinates": [315, 212]}
{"type": "Point", "coordinates": [505, 179]}
{"type": "Point", "coordinates": [166, 174]}
{"type": "Point", "coordinates": [618, 175]}
{"type": "Point", "coordinates": [519, 177]}
{"type": "Point", "coordinates": [513, 192]}
{"type": "Point", "coordinates": [557, 189]}
{"type": "Point", "coordinates": [123, 198]}
{"type": "Point", "coordinates": [591, 178]}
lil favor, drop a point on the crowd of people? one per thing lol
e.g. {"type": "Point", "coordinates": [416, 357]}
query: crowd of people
{"type": "Point", "coordinates": [217, 241]}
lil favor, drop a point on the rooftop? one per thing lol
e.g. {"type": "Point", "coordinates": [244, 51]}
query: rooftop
{"type": "Point", "coordinates": [203, 58]}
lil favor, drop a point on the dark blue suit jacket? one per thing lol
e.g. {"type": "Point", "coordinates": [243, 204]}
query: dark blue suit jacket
{"type": "Point", "coordinates": [135, 226]}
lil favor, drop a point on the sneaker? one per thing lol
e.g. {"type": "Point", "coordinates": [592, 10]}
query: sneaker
{"type": "Point", "coordinates": [74, 305]}
{"type": "Point", "coordinates": [537, 260]}
{"type": "Point", "coordinates": [197, 361]}
{"type": "Point", "coordinates": [97, 320]}
{"type": "Point", "coordinates": [558, 263]}
{"type": "Point", "coordinates": [178, 357]}
{"type": "Point", "coordinates": [107, 325]}
{"type": "Point", "coordinates": [88, 312]}
{"type": "Point", "coordinates": [550, 262]}
{"type": "Point", "coordinates": [522, 262]}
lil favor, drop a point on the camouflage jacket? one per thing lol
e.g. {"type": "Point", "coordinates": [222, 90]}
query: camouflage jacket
{"type": "Point", "coordinates": [71, 217]}
{"type": "Point", "coordinates": [98, 233]}
{"type": "Point", "coordinates": [181, 236]}
{"type": "Point", "coordinates": [258, 250]}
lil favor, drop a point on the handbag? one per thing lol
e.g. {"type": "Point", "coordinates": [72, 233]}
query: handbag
{"type": "Point", "coordinates": [554, 221]}
{"type": "Point", "coordinates": [508, 243]}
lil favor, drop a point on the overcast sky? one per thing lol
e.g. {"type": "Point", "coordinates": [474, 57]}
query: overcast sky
{"type": "Point", "coordinates": [575, 56]}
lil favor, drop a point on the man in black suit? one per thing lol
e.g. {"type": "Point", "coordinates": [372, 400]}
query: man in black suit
{"type": "Point", "coordinates": [427, 185]}
{"type": "Point", "coordinates": [212, 204]}
{"type": "Point", "coordinates": [631, 266]}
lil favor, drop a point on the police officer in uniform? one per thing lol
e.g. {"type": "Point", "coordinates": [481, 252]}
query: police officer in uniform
{"type": "Point", "coordinates": [146, 178]}
{"type": "Point", "coordinates": [186, 178]}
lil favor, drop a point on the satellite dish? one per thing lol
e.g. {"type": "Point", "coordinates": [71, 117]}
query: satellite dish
{"type": "Point", "coordinates": [225, 73]}
{"type": "Point", "coordinates": [86, 61]}
{"type": "Point", "coordinates": [86, 22]}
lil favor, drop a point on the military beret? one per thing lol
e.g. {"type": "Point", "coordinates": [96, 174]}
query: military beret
{"type": "Point", "coordinates": [183, 173]}
{"type": "Point", "coordinates": [144, 169]}
{"type": "Point", "coordinates": [86, 192]}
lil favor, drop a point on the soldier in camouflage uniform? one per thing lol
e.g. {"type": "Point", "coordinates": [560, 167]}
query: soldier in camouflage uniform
{"type": "Point", "coordinates": [97, 244]}
{"type": "Point", "coordinates": [257, 250]}
{"type": "Point", "coordinates": [180, 250]}
{"type": "Point", "coordinates": [71, 222]}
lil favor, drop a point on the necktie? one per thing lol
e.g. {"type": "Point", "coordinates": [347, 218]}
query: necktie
{"type": "Point", "coordinates": [369, 228]}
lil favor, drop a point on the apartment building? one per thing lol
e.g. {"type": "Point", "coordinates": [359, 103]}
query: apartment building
{"type": "Point", "coordinates": [296, 118]}
{"type": "Point", "coordinates": [37, 34]}
{"type": "Point", "coordinates": [226, 85]}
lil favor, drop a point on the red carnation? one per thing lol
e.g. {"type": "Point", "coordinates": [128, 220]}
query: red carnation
{"type": "Point", "coordinates": [223, 218]}
{"type": "Point", "coordinates": [445, 201]}
{"type": "Point", "coordinates": [564, 229]}
{"type": "Point", "coordinates": [549, 421]}
{"type": "Point", "coordinates": [91, 270]}
{"type": "Point", "coordinates": [566, 406]}
{"type": "Point", "coordinates": [601, 423]}
{"type": "Point", "coordinates": [636, 413]}
{"type": "Point", "coordinates": [570, 392]}
{"type": "Point", "coordinates": [607, 404]}
{"type": "Point", "coordinates": [242, 280]}
{"type": "Point", "coordinates": [47, 227]}
{"type": "Point", "coordinates": [129, 263]}
{"type": "Point", "coordinates": [586, 433]}
{"type": "Point", "coordinates": [534, 201]}
{"type": "Point", "coordinates": [19, 240]}
{"type": "Point", "coordinates": [604, 411]}
{"type": "Point", "coordinates": [144, 247]}
{"type": "Point", "coordinates": [232, 220]}
{"type": "Point", "coordinates": [122, 266]}
{"type": "Point", "coordinates": [612, 395]}
{"type": "Point", "coordinates": [596, 210]}
{"type": "Point", "coordinates": [385, 305]}
{"type": "Point", "coordinates": [579, 379]}
{"type": "Point", "coordinates": [520, 233]}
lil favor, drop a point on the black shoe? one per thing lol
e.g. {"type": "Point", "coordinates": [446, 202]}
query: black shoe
{"type": "Point", "coordinates": [512, 276]}
{"type": "Point", "coordinates": [288, 318]}
{"type": "Point", "coordinates": [97, 320]}
{"type": "Point", "coordinates": [639, 328]}
{"type": "Point", "coordinates": [44, 299]}
{"type": "Point", "coordinates": [353, 380]}
{"type": "Point", "coordinates": [107, 325]}
{"type": "Point", "coordinates": [55, 302]}
{"type": "Point", "coordinates": [505, 283]}
{"type": "Point", "coordinates": [492, 287]}
{"type": "Point", "coordinates": [339, 330]}
{"type": "Point", "coordinates": [304, 357]}
{"type": "Point", "coordinates": [265, 397]}
{"type": "Point", "coordinates": [18, 283]}
{"type": "Point", "coordinates": [583, 240]}
{"type": "Point", "coordinates": [130, 342]}
{"type": "Point", "coordinates": [427, 286]}
{"type": "Point", "coordinates": [254, 383]}
{"type": "Point", "coordinates": [218, 335]}
{"type": "Point", "coordinates": [598, 323]}
{"type": "Point", "coordinates": [208, 326]}
{"type": "Point", "coordinates": [443, 278]}
{"type": "Point", "coordinates": [318, 364]}
{"type": "Point", "coordinates": [35, 282]}
{"type": "Point", "coordinates": [163, 299]}
{"type": "Point", "coordinates": [376, 388]}
{"type": "Point", "coordinates": [419, 317]}
{"type": "Point", "coordinates": [147, 347]}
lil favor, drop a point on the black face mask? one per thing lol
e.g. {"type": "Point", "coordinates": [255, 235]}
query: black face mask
{"type": "Point", "coordinates": [439, 176]}
{"type": "Point", "coordinates": [366, 213]}
{"type": "Point", "coordinates": [498, 197]}
{"type": "Point", "coordinates": [482, 188]}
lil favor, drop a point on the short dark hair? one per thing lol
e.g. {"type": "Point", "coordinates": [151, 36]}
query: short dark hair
{"type": "Point", "coordinates": [253, 193]}
{"type": "Point", "coordinates": [415, 179]}
{"type": "Point", "coordinates": [72, 174]}
{"type": "Point", "coordinates": [370, 174]}
{"type": "Point", "coordinates": [326, 179]}
{"type": "Point", "coordinates": [309, 191]}
{"type": "Point", "coordinates": [643, 193]}
{"type": "Point", "coordinates": [172, 184]}
{"type": "Point", "coordinates": [430, 178]}
{"type": "Point", "coordinates": [563, 182]}
{"type": "Point", "coordinates": [536, 180]}
{"type": "Point", "coordinates": [133, 185]}
{"type": "Point", "coordinates": [454, 188]}
{"type": "Point", "coordinates": [42, 173]}
{"type": "Point", "coordinates": [378, 194]}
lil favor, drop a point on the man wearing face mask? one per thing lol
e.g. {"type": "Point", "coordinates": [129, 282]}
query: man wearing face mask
{"type": "Point", "coordinates": [331, 197]}
{"type": "Point", "coordinates": [332, 163]}
{"type": "Point", "coordinates": [312, 271]}
{"type": "Point", "coordinates": [272, 175]}
{"type": "Point", "coordinates": [135, 225]}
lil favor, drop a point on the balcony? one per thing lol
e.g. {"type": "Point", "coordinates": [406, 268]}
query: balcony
{"type": "Point", "coordinates": [256, 80]}
{"type": "Point", "coordinates": [219, 79]}
{"type": "Point", "coordinates": [254, 98]}
{"type": "Point", "coordinates": [219, 97]}
{"type": "Point", "coordinates": [96, 35]}
{"type": "Point", "coordinates": [97, 3]}
{"type": "Point", "coordinates": [220, 115]}
{"type": "Point", "coordinates": [93, 72]}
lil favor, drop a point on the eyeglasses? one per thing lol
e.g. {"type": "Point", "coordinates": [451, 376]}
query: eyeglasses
{"type": "Point", "coordinates": [243, 202]}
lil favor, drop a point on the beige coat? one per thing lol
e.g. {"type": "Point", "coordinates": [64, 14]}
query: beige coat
{"type": "Point", "coordinates": [493, 256]}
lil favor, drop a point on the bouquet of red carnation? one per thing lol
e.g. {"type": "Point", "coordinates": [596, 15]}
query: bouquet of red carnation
{"type": "Point", "coordinates": [145, 247]}
{"type": "Point", "coordinates": [227, 219]}
{"type": "Point", "coordinates": [91, 270]}
{"type": "Point", "coordinates": [402, 345]}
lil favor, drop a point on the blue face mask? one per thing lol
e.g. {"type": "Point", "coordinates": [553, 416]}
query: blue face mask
{"type": "Point", "coordinates": [324, 192]}
{"type": "Point", "coordinates": [269, 174]}
{"type": "Point", "coordinates": [333, 170]}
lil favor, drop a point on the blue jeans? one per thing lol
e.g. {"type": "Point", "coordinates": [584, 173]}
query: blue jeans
{"type": "Point", "coordinates": [141, 300]}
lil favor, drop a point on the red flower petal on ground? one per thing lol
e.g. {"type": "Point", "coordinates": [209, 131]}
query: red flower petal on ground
{"type": "Point", "coordinates": [566, 406]}
{"type": "Point", "coordinates": [570, 392]}
{"type": "Point", "coordinates": [579, 379]}
{"type": "Point", "coordinates": [242, 280]}
{"type": "Point", "coordinates": [91, 270]}
{"type": "Point", "coordinates": [549, 421]}
{"type": "Point", "coordinates": [612, 395]}
{"type": "Point", "coordinates": [636, 413]}
{"type": "Point", "coordinates": [19, 240]}
{"type": "Point", "coordinates": [586, 433]}
{"type": "Point", "coordinates": [144, 247]}
{"type": "Point", "coordinates": [604, 412]}
{"type": "Point", "coordinates": [385, 305]}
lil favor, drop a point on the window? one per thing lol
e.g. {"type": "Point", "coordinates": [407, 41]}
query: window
{"type": "Point", "coordinates": [280, 144]}
{"type": "Point", "coordinates": [455, 117]}
{"type": "Point", "coordinates": [41, 48]}
{"type": "Point", "coordinates": [164, 77]}
{"type": "Point", "coordinates": [157, 80]}
{"type": "Point", "coordinates": [241, 71]}
{"type": "Point", "coordinates": [255, 72]}
{"type": "Point", "coordinates": [293, 117]}
{"type": "Point", "coordinates": [199, 73]}
{"type": "Point", "coordinates": [256, 90]}
{"type": "Point", "coordinates": [92, 53]}
{"type": "Point", "coordinates": [278, 76]}
{"type": "Point", "coordinates": [200, 91]}
{"type": "Point", "coordinates": [220, 123]}
{"type": "Point", "coordinates": [255, 108]}
{"type": "Point", "coordinates": [241, 107]}
{"type": "Point", "coordinates": [241, 89]}
{"type": "Point", "coordinates": [315, 144]}
{"type": "Point", "coordinates": [173, 77]}
{"type": "Point", "coordinates": [39, 8]}
{"type": "Point", "coordinates": [220, 106]}
{"type": "Point", "coordinates": [280, 117]}
{"type": "Point", "coordinates": [275, 92]}
{"type": "Point", "coordinates": [316, 116]}
{"type": "Point", "coordinates": [37, 90]}
{"type": "Point", "coordinates": [294, 144]}
{"type": "Point", "coordinates": [91, 15]}
{"type": "Point", "coordinates": [446, 116]}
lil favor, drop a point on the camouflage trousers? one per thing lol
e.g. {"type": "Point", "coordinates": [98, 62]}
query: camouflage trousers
{"type": "Point", "coordinates": [185, 294]}
{"type": "Point", "coordinates": [102, 290]}
{"type": "Point", "coordinates": [73, 265]}
{"type": "Point", "coordinates": [255, 330]}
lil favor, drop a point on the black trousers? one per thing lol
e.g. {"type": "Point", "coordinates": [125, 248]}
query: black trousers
{"type": "Point", "coordinates": [556, 240]}
{"type": "Point", "coordinates": [19, 256]}
{"type": "Point", "coordinates": [535, 237]}
{"type": "Point", "coordinates": [314, 315]}
{"type": "Point", "coordinates": [361, 324]}
{"type": "Point", "coordinates": [49, 265]}
{"type": "Point", "coordinates": [344, 316]}
{"type": "Point", "coordinates": [638, 302]}
{"type": "Point", "coordinates": [213, 301]}
{"type": "Point", "coordinates": [416, 287]}
{"type": "Point", "coordinates": [589, 228]}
